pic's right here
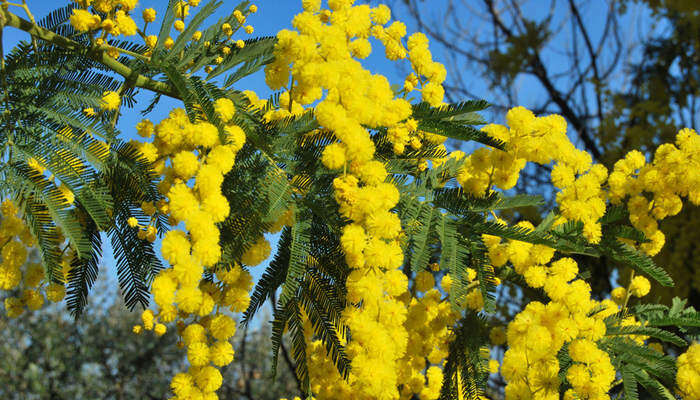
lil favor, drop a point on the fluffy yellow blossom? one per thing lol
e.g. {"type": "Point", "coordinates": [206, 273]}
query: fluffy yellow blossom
{"type": "Point", "coordinates": [257, 253]}
{"type": "Point", "coordinates": [221, 353]}
{"type": "Point", "coordinates": [640, 286]}
{"type": "Point", "coordinates": [688, 377]}
{"type": "Point", "coordinates": [128, 5]}
{"type": "Point", "coordinates": [224, 109]}
{"type": "Point", "coordinates": [151, 41]}
{"type": "Point", "coordinates": [618, 295]}
{"type": "Point", "coordinates": [185, 164]}
{"type": "Point", "coordinates": [55, 292]}
{"type": "Point", "coordinates": [160, 329]}
{"type": "Point", "coordinates": [149, 15]}
{"type": "Point", "coordinates": [83, 20]}
{"type": "Point", "coordinates": [222, 327]}
{"type": "Point", "coordinates": [333, 156]}
{"type": "Point", "coordinates": [126, 25]}
{"type": "Point", "coordinates": [110, 101]}
{"type": "Point", "coordinates": [198, 354]}
{"type": "Point", "coordinates": [147, 319]}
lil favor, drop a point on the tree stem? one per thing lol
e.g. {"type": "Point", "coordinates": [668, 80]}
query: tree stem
{"type": "Point", "coordinates": [94, 53]}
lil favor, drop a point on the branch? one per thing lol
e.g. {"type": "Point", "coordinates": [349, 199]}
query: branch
{"type": "Point", "coordinates": [591, 53]}
{"type": "Point", "coordinates": [288, 359]}
{"type": "Point", "coordinates": [540, 71]}
{"type": "Point", "coordinates": [290, 365]}
{"type": "Point", "coordinates": [95, 53]}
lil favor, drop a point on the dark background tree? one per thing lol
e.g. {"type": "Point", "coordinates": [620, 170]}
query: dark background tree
{"type": "Point", "coordinates": [46, 354]}
{"type": "Point", "coordinates": [624, 73]}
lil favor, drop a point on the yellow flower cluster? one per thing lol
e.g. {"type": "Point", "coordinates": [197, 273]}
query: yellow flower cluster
{"type": "Point", "coordinates": [541, 140]}
{"type": "Point", "coordinates": [193, 159]}
{"type": "Point", "coordinates": [420, 369]}
{"type": "Point", "coordinates": [583, 192]}
{"type": "Point", "coordinates": [429, 74]}
{"type": "Point", "coordinates": [117, 20]}
{"type": "Point", "coordinates": [536, 335]}
{"type": "Point", "coordinates": [674, 172]}
{"type": "Point", "coordinates": [182, 9]}
{"type": "Point", "coordinates": [15, 240]}
{"type": "Point", "coordinates": [398, 339]}
{"type": "Point", "coordinates": [688, 377]}
{"type": "Point", "coordinates": [428, 322]}
{"type": "Point", "coordinates": [322, 56]}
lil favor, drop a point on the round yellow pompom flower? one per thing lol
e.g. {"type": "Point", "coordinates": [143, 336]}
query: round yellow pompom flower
{"type": "Point", "coordinates": [185, 164]}
{"type": "Point", "coordinates": [160, 329]}
{"type": "Point", "coordinates": [333, 156]}
{"type": "Point", "coordinates": [55, 292]}
{"type": "Point", "coordinates": [127, 26]}
{"type": "Point", "coordinates": [149, 15]}
{"type": "Point", "coordinates": [688, 377]}
{"type": "Point", "coordinates": [225, 109]}
{"type": "Point", "coordinates": [208, 379]}
{"type": "Point", "coordinates": [110, 101]}
{"type": "Point", "coordinates": [640, 286]}
{"type": "Point", "coordinates": [198, 354]}
{"type": "Point", "coordinates": [194, 333]}
{"type": "Point", "coordinates": [222, 327]}
{"type": "Point", "coordinates": [257, 253]}
{"type": "Point", "coordinates": [83, 20]}
{"type": "Point", "coordinates": [424, 281]}
{"type": "Point", "coordinates": [182, 384]}
{"type": "Point", "coordinates": [618, 295]}
{"type": "Point", "coordinates": [221, 353]}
